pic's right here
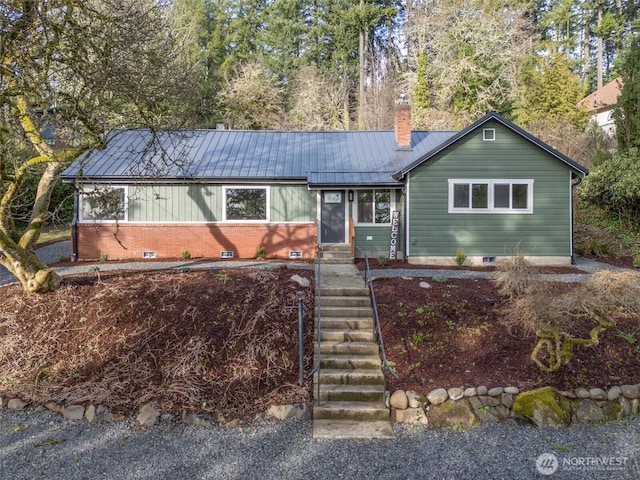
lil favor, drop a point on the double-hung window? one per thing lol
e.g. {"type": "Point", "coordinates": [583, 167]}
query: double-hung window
{"type": "Point", "coordinates": [374, 207]}
{"type": "Point", "coordinates": [104, 204]}
{"type": "Point", "coordinates": [490, 196]}
{"type": "Point", "coordinates": [246, 204]}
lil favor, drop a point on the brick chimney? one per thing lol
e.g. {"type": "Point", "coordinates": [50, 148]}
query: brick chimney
{"type": "Point", "coordinates": [403, 123]}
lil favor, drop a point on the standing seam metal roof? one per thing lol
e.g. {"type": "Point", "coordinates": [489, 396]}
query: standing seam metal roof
{"type": "Point", "coordinates": [359, 157]}
{"type": "Point", "coordinates": [316, 158]}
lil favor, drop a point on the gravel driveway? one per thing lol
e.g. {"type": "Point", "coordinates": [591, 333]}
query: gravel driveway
{"type": "Point", "coordinates": [43, 446]}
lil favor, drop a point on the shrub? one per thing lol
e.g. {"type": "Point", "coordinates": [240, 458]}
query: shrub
{"type": "Point", "coordinates": [261, 253]}
{"type": "Point", "coordinates": [615, 186]}
{"type": "Point", "coordinates": [460, 258]}
{"type": "Point", "coordinates": [185, 254]}
{"type": "Point", "coordinates": [597, 248]}
{"type": "Point", "coordinates": [591, 308]}
{"type": "Point", "coordinates": [382, 259]}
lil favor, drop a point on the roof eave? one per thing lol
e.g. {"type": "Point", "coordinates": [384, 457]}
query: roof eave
{"type": "Point", "coordinates": [193, 179]}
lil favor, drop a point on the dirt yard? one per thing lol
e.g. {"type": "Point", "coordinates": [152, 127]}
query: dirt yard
{"type": "Point", "coordinates": [225, 341]}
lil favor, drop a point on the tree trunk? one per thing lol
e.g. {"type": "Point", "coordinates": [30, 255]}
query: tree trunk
{"type": "Point", "coordinates": [33, 274]}
{"type": "Point", "coordinates": [587, 49]}
{"type": "Point", "coordinates": [361, 43]}
{"type": "Point", "coordinates": [599, 52]}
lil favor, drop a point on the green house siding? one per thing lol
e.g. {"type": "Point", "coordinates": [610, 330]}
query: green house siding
{"type": "Point", "coordinates": [436, 232]}
{"type": "Point", "coordinates": [175, 203]}
{"type": "Point", "coordinates": [374, 239]}
{"type": "Point", "coordinates": [204, 203]}
{"type": "Point", "coordinates": [293, 203]}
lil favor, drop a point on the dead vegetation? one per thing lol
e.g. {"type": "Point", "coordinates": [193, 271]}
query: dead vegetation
{"type": "Point", "coordinates": [565, 320]}
{"type": "Point", "coordinates": [206, 341]}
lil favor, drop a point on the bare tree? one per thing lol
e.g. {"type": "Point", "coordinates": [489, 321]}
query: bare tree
{"type": "Point", "coordinates": [315, 104]}
{"type": "Point", "coordinates": [473, 51]}
{"type": "Point", "coordinates": [253, 98]}
{"type": "Point", "coordinates": [80, 67]}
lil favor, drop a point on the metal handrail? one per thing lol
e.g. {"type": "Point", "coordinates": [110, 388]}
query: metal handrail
{"type": "Point", "coordinates": [316, 367]}
{"type": "Point", "coordinates": [376, 326]}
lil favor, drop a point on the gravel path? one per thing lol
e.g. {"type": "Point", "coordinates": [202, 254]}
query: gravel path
{"type": "Point", "coordinates": [44, 446]}
{"type": "Point", "coordinates": [51, 254]}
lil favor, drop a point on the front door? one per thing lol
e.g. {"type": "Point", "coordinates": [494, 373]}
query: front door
{"type": "Point", "coordinates": [332, 217]}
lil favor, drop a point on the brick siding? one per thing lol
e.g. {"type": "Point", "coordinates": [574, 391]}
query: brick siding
{"type": "Point", "coordinates": [128, 241]}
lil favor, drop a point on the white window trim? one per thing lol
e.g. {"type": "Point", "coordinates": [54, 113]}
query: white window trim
{"type": "Point", "coordinates": [267, 189]}
{"type": "Point", "coordinates": [486, 137]}
{"type": "Point", "coordinates": [374, 224]}
{"type": "Point", "coordinates": [491, 183]}
{"type": "Point", "coordinates": [90, 188]}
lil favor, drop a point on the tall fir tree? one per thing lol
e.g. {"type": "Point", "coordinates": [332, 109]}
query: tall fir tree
{"type": "Point", "coordinates": [627, 114]}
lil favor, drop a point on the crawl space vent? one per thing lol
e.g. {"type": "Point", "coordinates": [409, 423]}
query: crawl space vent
{"type": "Point", "coordinates": [226, 254]}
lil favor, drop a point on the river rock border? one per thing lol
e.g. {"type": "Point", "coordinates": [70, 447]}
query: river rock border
{"type": "Point", "coordinates": [545, 407]}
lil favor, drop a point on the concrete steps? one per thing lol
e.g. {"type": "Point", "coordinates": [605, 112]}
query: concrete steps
{"type": "Point", "coordinates": [350, 376]}
{"type": "Point", "coordinates": [352, 430]}
{"type": "Point", "coordinates": [335, 254]}
{"type": "Point", "coordinates": [353, 410]}
{"type": "Point", "coordinates": [347, 334]}
{"type": "Point", "coordinates": [350, 402]}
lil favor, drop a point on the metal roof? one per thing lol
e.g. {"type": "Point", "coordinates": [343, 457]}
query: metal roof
{"type": "Point", "coordinates": [319, 158]}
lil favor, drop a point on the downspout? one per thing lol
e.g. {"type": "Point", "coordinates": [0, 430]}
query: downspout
{"type": "Point", "coordinates": [74, 224]}
{"type": "Point", "coordinates": [406, 217]}
{"type": "Point", "coordinates": [573, 187]}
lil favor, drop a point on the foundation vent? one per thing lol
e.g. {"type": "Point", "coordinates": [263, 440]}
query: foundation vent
{"type": "Point", "coordinates": [226, 254]}
{"type": "Point", "coordinates": [148, 254]}
{"type": "Point", "coordinates": [295, 254]}
{"type": "Point", "coordinates": [488, 260]}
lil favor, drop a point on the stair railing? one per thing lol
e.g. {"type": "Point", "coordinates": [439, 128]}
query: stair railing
{"type": "Point", "coordinates": [316, 367]}
{"type": "Point", "coordinates": [376, 323]}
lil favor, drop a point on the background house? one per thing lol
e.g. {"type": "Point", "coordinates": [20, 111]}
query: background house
{"type": "Point", "coordinates": [601, 105]}
{"type": "Point", "coordinates": [490, 190]}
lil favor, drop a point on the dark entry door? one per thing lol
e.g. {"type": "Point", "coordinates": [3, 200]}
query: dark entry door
{"type": "Point", "coordinates": [332, 217]}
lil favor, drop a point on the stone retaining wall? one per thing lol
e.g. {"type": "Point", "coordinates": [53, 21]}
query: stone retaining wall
{"type": "Point", "coordinates": [456, 407]}
{"type": "Point", "coordinates": [545, 407]}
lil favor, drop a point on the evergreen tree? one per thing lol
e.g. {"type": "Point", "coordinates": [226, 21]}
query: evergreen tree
{"type": "Point", "coordinates": [552, 92]}
{"type": "Point", "coordinates": [627, 114]}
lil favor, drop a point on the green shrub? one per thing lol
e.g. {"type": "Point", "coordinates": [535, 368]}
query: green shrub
{"type": "Point", "coordinates": [614, 185]}
{"type": "Point", "coordinates": [185, 254]}
{"type": "Point", "coordinates": [382, 259]}
{"type": "Point", "coordinates": [597, 248]}
{"type": "Point", "coordinates": [261, 253]}
{"type": "Point", "coordinates": [460, 258]}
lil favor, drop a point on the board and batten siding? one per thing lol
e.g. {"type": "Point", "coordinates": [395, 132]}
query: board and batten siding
{"type": "Point", "coordinates": [194, 203]}
{"type": "Point", "coordinates": [174, 203]}
{"type": "Point", "coordinates": [436, 232]}
{"type": "Point", "coordinates": [293, 203]}
{"type": "Point", "coordinates": [374, 239]}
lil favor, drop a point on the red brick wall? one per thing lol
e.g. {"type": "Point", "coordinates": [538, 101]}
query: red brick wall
{"type": "Point", "coordinates": [129, 240]}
